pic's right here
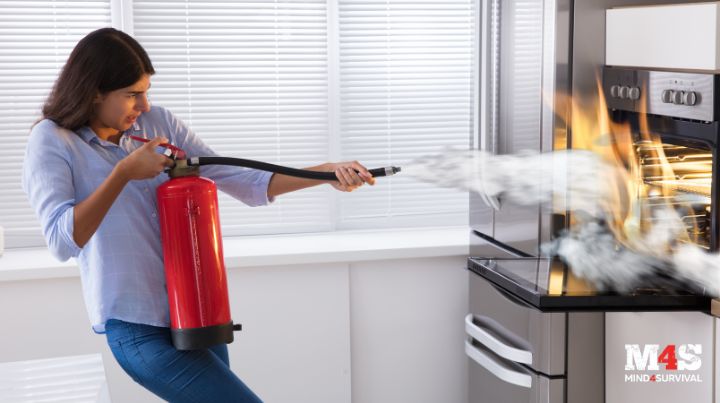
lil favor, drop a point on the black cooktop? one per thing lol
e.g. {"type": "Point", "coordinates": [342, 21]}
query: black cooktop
{"type": "Point", "coordinates": [549, 285]}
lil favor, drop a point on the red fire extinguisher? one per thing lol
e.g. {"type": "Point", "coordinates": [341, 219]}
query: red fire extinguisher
{"type": "Point", "coordinates": [194, 264]}
{"type": "Point", "coordinates": [192, 247]}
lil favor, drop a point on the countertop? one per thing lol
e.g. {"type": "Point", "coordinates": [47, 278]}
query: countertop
{"type": "Point", "coordinates": [548, 285]}
{"type": "Point", "coordinates": [273, 250]}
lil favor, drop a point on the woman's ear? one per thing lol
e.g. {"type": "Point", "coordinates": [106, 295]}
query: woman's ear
{"type": "Point", "coordinates": [98, 98]}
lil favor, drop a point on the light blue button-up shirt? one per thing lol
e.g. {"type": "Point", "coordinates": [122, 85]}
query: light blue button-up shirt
{"type": "Point", "coordinates": [121, 266]}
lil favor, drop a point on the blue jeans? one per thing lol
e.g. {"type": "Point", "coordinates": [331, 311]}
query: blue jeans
{"type": "Point", "coordinates": [147, 354]}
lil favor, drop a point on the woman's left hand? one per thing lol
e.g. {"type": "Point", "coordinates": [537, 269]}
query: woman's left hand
{"type": "Point", "coordinates": [351, 175]}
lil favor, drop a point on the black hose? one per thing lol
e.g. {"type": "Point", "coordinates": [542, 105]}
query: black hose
{"type": "Point", "coordinates": [264, 166]}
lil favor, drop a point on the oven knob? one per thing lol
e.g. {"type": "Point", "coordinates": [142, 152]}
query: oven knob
{"type": "Point", "coordinates": [690, 98]}
{"type": "Point", "coordinates": [677, 97]}
{"type": "Point", "coordinates": [614, 90]}
{"type": "Point", "coordinates": [634, 93]}
{"type": "Point", "coordinates": [623, 92]}
{"type": "Point", "coordinates": [667, 96]}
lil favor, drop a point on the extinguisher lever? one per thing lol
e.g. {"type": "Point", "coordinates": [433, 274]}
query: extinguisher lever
{"type": "Point", "coordinates": [171, 151]}
{"type": "Point", "coordinates": [237, 327]}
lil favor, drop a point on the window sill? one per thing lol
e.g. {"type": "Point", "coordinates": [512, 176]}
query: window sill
{"type": "Point", "coordinates": [270, 250]}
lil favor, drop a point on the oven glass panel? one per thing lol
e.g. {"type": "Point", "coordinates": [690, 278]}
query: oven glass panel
{"type": "Point", "coordinates": [679, 177]}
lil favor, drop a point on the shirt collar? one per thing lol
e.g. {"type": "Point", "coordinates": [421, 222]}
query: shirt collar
{"type": "Point", "coordinates": [89, 135]}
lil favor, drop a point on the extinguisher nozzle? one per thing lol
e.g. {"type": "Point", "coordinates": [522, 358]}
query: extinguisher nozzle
{"type": "Point", "coordinates": [237, 327]}
{"type": "Point", "coordinates": [385, 171]}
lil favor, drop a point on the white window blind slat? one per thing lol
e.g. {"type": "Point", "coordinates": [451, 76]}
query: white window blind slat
{"type": "Point", "coordinates": [251, 80]}
{"type": "Point", "coordinates": [78, 379]}
{"type": "Point", "coordinates": [406, 79]}
{"type": "Point", "coordinates": [36, 38]}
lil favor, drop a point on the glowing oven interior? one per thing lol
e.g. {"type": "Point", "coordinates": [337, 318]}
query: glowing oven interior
{"type": "Point", "coordinates": [679, 177]}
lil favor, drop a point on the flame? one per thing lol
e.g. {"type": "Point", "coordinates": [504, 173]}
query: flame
{"type": "Point", "coordinates": [649, 176]}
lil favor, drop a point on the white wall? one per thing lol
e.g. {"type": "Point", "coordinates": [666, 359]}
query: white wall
{"type": "Point", "coordinates": [407, 319]}
{"type": "Point", "coordinates": [295, 342]}
{"type": "Point", "coordinates": [366, 332]}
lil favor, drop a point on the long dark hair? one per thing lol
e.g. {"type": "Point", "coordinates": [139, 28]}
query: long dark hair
{"type": "Point", "coordinates": [105, 60]}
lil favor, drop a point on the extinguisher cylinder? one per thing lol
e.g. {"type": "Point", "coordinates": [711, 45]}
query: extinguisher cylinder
{"type": "Point", "coordinates": [194, 265]}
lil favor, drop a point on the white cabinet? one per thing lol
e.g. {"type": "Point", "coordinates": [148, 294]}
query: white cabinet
{"type": "Point", "coordinates": [386, 331]}
{"type": "Point", "coordinates": [294, 347]}
{"type": "Point", "coordinates": [295, 342]}
{"type": "Point", "coordinates": [652, 333]}
{"type": "Point", "coordinates": [716, 353]}
{"type": "Point", "coordinates": [407, 321]}
{"type": "Point", "coordinates": [47, 319]}
{"type": "Point", "coordinates": [377, 331]}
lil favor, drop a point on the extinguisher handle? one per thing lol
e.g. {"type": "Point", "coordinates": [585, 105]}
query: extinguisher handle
{"type": "Point", "coordinates": [175, 152]}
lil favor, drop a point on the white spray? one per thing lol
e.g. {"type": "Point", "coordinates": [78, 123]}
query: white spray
{"type": "Point", "coordinates": [597, 248]}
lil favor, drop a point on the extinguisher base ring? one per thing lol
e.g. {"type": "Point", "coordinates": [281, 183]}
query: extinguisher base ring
{"type": "Point", "coordinates": [202, 337]}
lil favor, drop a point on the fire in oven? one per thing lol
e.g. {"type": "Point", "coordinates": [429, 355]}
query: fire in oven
{"type": "Point", "coordinates": [673, 130]}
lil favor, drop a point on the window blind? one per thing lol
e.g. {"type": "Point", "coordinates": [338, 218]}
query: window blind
{"type": "Point", "coordinates": [72, 379]}
{"type": "Point", "coordinates": [290, 82]}
{"type": "Point", "coordinates": [251, 79]}
{"type": "Point", "coordinates": [406, 90]}
{"type": "Point", "coordinates": [36, 37]}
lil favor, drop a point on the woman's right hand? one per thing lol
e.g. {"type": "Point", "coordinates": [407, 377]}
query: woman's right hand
{"type": "Point", "coordinates": [144, 162]}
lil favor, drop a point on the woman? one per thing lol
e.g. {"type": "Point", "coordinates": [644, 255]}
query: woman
{"type": "Point", "coordinates": [93, 189]}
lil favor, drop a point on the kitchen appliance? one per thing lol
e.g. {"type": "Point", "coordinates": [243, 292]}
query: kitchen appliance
{"type": "Point", "coordinates": [683, 117]}
{"type": "Point", "coordinates": [517, 352]}
{"type": "Point", "coordinates": [535, 333]}
{"type": "Point", "coordinates": [673, 116]}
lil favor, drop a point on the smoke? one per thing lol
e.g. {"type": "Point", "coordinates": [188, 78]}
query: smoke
{"type": "Point", "coordinates": [699, 267]}
{"type": "Point", "coordinates": [605, 244]}
{"type": "Point", "coordinates": [525, 178]}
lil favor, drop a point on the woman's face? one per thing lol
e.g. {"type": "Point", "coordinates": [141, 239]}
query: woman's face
{"type": "Point", "coordinates": [119, 109]}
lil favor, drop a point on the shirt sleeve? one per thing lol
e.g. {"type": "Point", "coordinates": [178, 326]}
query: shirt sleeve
{"type": "Point", "coordinates": [47, 181]}
{"type": "Point", "coordinates": [248, 185]}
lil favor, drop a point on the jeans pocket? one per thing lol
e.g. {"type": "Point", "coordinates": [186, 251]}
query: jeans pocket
{"type": "Point", "coordinates": [120, 337]}
{"type": "Point", "coordinates": [118, 350]}
{"type": "Point", "coordinates": [117, 332]}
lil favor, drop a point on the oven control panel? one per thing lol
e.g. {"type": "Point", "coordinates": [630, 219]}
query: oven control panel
{"type": "Point", "coordinates": [685, 95]}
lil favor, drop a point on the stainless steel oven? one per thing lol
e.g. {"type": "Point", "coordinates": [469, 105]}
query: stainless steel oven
{"type": "Point", "coordinates": [516, 353]}
{"type": "Point", "coordinates": [523, 343]}
{"type": "Point", "coordinates": [521, 348]}
{"type": "Point", "coordinates": [534, 334]}
{"type": "Point", "coordinates": [673, 118]}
